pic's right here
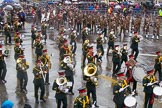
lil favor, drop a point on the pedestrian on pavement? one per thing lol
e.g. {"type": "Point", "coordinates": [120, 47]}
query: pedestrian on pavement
{"type": "Point", "coordinates": [134, 45]}
{"type": "Point", "coordinates": [38, 82]}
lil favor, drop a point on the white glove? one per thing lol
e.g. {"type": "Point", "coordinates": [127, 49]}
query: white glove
{"type": "Point", "coordinates": [40, 72]}
{"type": "Point", "coordinates": [133, 93]}
{"type": "Point", "coordinates": [66, 90]}
{"type": "Point", "coordinates": [149, 84]}
{"type": "Point", "coordinates": [121, 89]}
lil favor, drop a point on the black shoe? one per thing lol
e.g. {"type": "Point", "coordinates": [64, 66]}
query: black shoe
{"type": "Point", "coordinates": [4, 81]}
{"type": "Point", "coordinates": [36, 101]}
{"type": "Point", "coordinates": [43, 100]}
{"type": "Point", "coordinates": [96, 106]}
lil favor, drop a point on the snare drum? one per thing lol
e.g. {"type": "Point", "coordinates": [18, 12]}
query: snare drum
{"type": "Point", "coordinates": [139, 72]}
{"type": "Point", "coordinates": [157, 91]}
{"type": "Point", "coordinates": [130, 102]}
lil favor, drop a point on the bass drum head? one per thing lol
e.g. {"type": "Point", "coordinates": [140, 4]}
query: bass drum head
{"type": "Point", "coordinates": [157, 91]}
{"type": "Point", "coordinates": [130, 101]}
{"type": "Point", "coordinates": [139, 72]}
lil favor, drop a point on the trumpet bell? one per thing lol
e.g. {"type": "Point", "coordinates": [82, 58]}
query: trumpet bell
{"type": "Point", "coordinates": [61, 81]}
{"type": "Point", "coordinates": [90, 70]}
{"type": "Point", "coordinates": [19, 60]}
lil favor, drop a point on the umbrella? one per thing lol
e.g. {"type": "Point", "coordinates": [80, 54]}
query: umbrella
{"type": "Point", "coordinates": [117, 7]}
{"type": "Point", "coordinates": [157, 5]}
{"type": "Point", "coordinates": [8, 1]}
{"type": "Point", "coordinates": [8, 7]}
{"type": "Point", "coordinates": [17, 6]}
{"type": "Point", "coordinates": [7, 104]}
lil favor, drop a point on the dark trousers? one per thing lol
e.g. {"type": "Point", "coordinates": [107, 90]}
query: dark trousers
{"type": "Point", "coordinates": [116, 67]}
{"type": "Point", "coordinates": [136, 53]}
{"type": "Point", "coordinates": [119, 105]}
{"type": "Point", "coordinates": [160, 73]}
{"type": "Point", "coordinates": [9, 39]}
{"type": "Point", "coordinates": [123, 60]}
{"type": "Point", "coordinates": [84, 59]}
{"type": "Point", "coordinates": [3, 72]}
{"type": "Point", "coordinates": [78, 27]}
{"type": "Point", "coordinates": [36, 88]}
{"type": "Point", "coordinates": [101, 48]}
{"type": "Point", "coordinates": [23, 81]}
{"type": "Point", "coordinates": [32, 42]}
{"type": "Point", "coordinates": [46, 77]}
{"type": "Point", "coordinates": [134, 85]}
{"type": "Point", "coordinates": [63, 100]}
{"type": "Point", "coordinates": [109, 46]}
{"type": "Point", "coordinates": [74, 47]}
{"type": "Point", "coordinates": [105, 32]}
{"type": "Point", "coordinates": [93, 91]}
{"type": "Point", "coordinates": [71, 79]}
{"type": "Point", "coordinates": [148, 103]}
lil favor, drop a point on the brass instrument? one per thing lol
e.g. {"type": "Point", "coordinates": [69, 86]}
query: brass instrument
{"type": "Point", "coordinates": [62, 82]}
{"type": "Point", "coordinates": [90, 71]}
{"type": "Point", "coordinates": [23, 65]}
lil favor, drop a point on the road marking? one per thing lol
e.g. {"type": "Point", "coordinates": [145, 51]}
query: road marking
{"type": "Point", "coordinates": [152, 55]}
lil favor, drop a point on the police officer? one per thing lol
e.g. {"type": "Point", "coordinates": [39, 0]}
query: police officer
{"type": "Point", "coordinates": [124, 54]}
{"type": "Point", "coordinates": [91, 83]}
{"type": "Point", "coordinates": [45, 60]}
{"type": "Point", "coordinates": [85, 48]}
{"type": "Point", "coordinates": [3, 69]}
{"type": "Point", "coordinates": [149, 82]}
{"type": "Point", "coordinates": [69, 71]}
{"type": "Point", "coordinates": [7, 33]}
{"type": "Point", "coordinates": [120, 90]}
{"type": "Point", "coordinates": [38, 82]}
{"type": "Point", "coordinates": [60, 90]}
{"type": "Point", "coordinates": [100, 43]}
{"type": "Point", "coordinates": [134, 45]}
{"type": "Point", "coordinates": [33, 35]}
{"type": "Point", "coordinates": [21, 67]}
{"type": "Point", "coordinates": [44, 31]}
{"type": "Point", "coordinates": [116, 59]}
{"type": "Point", "coordinates": [18, 50]}
{"type": "Point", "coordinates": [82, 101]}
{"type": "Point", "coordinates": [73, 41]}
{"type": "Point", "coordinates": [38, 47]}
{"type": "Point", "coordinates": [157, 65]}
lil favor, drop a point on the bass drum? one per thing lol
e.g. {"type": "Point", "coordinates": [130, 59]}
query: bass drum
{"type": "Point", "coordinates": [139, 72]}
{"type": "Point", "coordinates": [130, 102]}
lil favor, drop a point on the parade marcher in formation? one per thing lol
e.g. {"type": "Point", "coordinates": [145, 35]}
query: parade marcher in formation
{"type": "Point", "coordinates": [124, 54]}
{"type": "Point", "coordinates": [38, 82]}
{"type": "Point", "coordinates": [98, 57]}
{"type": "Point", "coordinates": [18, 50]}
{"type": "Point", "coordinates": [130, 65]}
{"type": "Point", "coordinates": [38, 47]}
{"type": "Point", "coordinates": [120, 89]}
{"type": "Point", "coordinates": [21, 66]}
{"type": "Point", "coordinates": [17, 37]}
{"type": "Point", "coordinates": [61, 40]}
{"type": "Point", "coordinates": [16, 24]}
{"type": "Point", "coordinates": [91, 83]}
{"type": "Point", "coordinates": [157, 65]}
{"type": "Point", "coordinates": [46, 65]}
{"type": "Point", "coordinates": [33, 35]}
{"type": "Point", "coordinates": [110, 42]}
{"type": "Point", "coordinates": [44, 31]}
{"type": "Point", "coordinates": [156, 30]}
{"type": "Point", "coordinates": [61, 90]}
{"type": "Point", "coordinates": [65, 49]}
{"type": "Point", "coordinates": [100, 43]}
{"type": "Point", "coordinates": [90, 55]}
{"type": "Point", "coordinates": [149, 82]}
{"type": "Point", "coordinates": [3, 69]}
{"type": "Point", "coordinates": [73, 38]}
{"type": "Point", "coordinates": [7, 33]}
{"type": "Point", "coordinates": [68, 66]}
{"type": "Point", "coordinates": [85, 48]}
{"type": "Point", "coordinates": [84, 34]}
{"type": "Point", "coordinates": [116, 60]}
{"type": "Point", "coordinates": [134, 45]}
{"type": "Point", "coordinates": [82, 101]}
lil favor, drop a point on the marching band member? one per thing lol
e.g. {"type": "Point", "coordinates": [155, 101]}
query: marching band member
{"type": "Point", "coordinates": [65, 49]}
{"type": "Point", "coordinates": [44, 31]}
{"type": "Point", "coordinates": [100, 43]}
{"type": "Point", "coordinates": [38, 81]}
{"type": "Point", "coordinates": [61, 40]}
{"type": "Point", "coordinates": [110, 42]}
{"type": "Point", "coordinates": [148, 83]}
{"type": "Point", "coordinates": [156, 30]}
{"type": "Point", "coordinates": [3, 69]}
{"type": "Point", "coordinates": [116, 60]}
{"type": "Point", "coordinates": [98, 57]}
{"type": "Point", "coordinates": [84, 34]}
{"type": "Point", "coordinates": [21, 67]}
{"type": "Point", "coordinates": [67, 65]}
{"type": "Point", "coordinates": [130, 65]}
{"type": "Point", "coordinates": [120, 89]}
{"type": "Point", "coordinates": [17, 37]}
{"type": "Point", "coordinates": [18, 50]}
{"type": "Point", "coordinates": [90, 55]}
{"type": "Point", "coordinates": [7, 33]}
{"type": "Point", "coordinates": [82, 101]}
{"type": "Point", "coordinates": [73, 38]}
{"type": "Point", "coordinates": [33, 35]}
{"type": "Point", "coordinates": [157, 65]}
{"type": "Point", "coordinates": [124, 54]}
{"type": "Point", "coordinates": [85, 48]}
{"type": "Point", "coordinates": [134, 45]}
{"type": "Point", "coordinates": [60, 90]}
{"type": "Point", "coordinates": [45, 60]}
{"type": "Point", "coordinates": [38, 47]}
